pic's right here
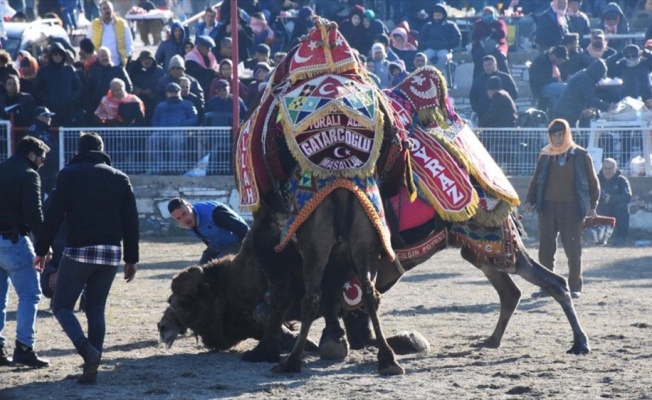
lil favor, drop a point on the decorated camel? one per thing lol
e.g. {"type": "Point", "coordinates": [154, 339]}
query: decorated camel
{"type": "Point", "coordinates": [324, 163]}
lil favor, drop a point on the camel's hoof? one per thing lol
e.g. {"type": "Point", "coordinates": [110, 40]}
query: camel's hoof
{"type": "Point", "coordinates": [257, 356]}
{"type": "Point", "coordinates": [334, 349]}
{"type": "Point", "coordinates": [491, 343]}
{"type": "Point", "coordinates": [409, 343]}
{"type": "Point", "coordinates": [393, 369]}
{"type": "Point", "coordinates": [579, 348]}
{"type": "Point", "coordinates": [284, 367]}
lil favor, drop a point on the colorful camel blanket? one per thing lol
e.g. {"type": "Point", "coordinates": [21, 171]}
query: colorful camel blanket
{"type": "Point", "coordinates": [304, 192]}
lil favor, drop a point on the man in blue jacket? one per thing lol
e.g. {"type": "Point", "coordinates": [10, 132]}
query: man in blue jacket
{"type": "Point", "coordinates": [217, 225]}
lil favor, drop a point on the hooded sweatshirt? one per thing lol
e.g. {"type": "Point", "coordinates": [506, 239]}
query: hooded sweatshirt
{"type": "Point", "coordinates": [57, 86]}
{"type": "Point", "coordinates": [620, 26]}
{"type": "Point", "coordinates": [579, 93]}
{"type": "Point", "coordinates": [442, 35]}
{"type": "Point", "coordinates": [170, 47]}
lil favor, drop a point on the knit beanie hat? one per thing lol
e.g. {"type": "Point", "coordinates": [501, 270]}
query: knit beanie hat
{"type": "Point", "coordinates": [177, 61]}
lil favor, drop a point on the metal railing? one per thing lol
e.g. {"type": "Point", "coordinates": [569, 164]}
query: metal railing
{"type": "Point", "coordinates": [207, 150]}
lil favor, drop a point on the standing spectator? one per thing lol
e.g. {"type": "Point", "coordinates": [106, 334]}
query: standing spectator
{"type": "Point", "coordinates": [597, 48]}
{"type": "Point", "coordinates": [613, 21]}
{"type": "Point", "coordinates": [186, 94]}
{"type": "Point", "coordinates": [99, 208]}
{"type": "Point", "coordinates": [545, 76]}
{"type": "Point", "coordinates": [87, 54]}
{"type": "Point", "coordinates": [171, 46]}
{"type": "Point", "coordinates": [20, 214]}
{"type": "Point", "coordinates": [439, 37]}
{"type": "Point", "coordinates": [214, 223]}
{"type": "Point", "coordinates": [402, 46]}
{"type": "Point", "coordinates": [263, 34]}
{"type": "Point", "coordinates": [165, 148]}
{"type": "Point", "coordinates": [245, 33]}
{"type": "Point", "coordinates": [28, 68]}
{"type": "Point", "coordinates": [615, 195]}
{"type": "Point", "coordinates": [579, 100]}
{"type": "Point", "coordinates": [100, 77]}
{"type": "Point", "coordinates": [91, 9]}
{"type": "Point", "coordinates": [40, 130]}
{"type": "Point", "coordinates": [372, 28]}
{"type": "Point", "coordinates": [112, 32]}
{"type": "Point", "coordinates": [150, 25]}
{"type": "Point", "coordinates": [16, 106]}
{"type": "Point", "coordinates": [489, 38]}
{"type": "Point", "coordinates": [353, 30]}
{"type": "Point", "coordinates": [223, 102]}
{"type": "Point", "coordinates": [381, 64]}
{"type": "Point", "coordinates": [57, 86]}
{"type": "Point", "coordinates": [208, 26]}
{"type": "Point", "coordinates": [67, 13]}
{"type": "Point", "coordinates": [144, 75]}
{"type": "Point", "coordinates": [634, 69]}
{"type": "Point", "coordinates": [6, 68]}
{"type": "Point", "coordinates": [302, 24]}
{"type": "Point", "coordinates": [564, 190]}
{"type": "Point", "coordinates": [576, 60]}
{"type": "Point", "coordinates": [501, 112]}
{"type": "Point", "coordinates": [552, 25]}
{"type": "Point", "coordinates": [176, 69]}
{"type": "Point", "coordinates": [478, 95]}
{"type": "Point", "coordinates": [578, 22]}
{"type": "Point", "coordinates": [201, 63]}
{"type": "Point", "coordinates": [120, 108]}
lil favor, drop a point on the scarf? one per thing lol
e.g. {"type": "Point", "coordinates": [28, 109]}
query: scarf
{"type": "Point", "coordinates": [596, 53]}
{"type": "Point", "coordinates": [567, 144]}
{"type": "Point", "coordinates": [108, 108]}
{"type": "Point", "coordinates": [561, 15]}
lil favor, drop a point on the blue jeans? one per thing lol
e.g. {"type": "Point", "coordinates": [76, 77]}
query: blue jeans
{"type": "Point", "coordinates": [553, 92]}
{"type": "Point", "coordinates": [72, 277]}
{"type": "Point", "coordinates": [16, 263]}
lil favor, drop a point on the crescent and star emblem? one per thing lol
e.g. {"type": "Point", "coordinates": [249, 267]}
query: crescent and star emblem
{"type": "Point", "coordinates": [300, 59]}
{"type": "Point", "coordinates": [355, 301]}
{"type": "Point", "coordinates": [323, 92]}
{"type": "Point", "coordinates": [338, 154]}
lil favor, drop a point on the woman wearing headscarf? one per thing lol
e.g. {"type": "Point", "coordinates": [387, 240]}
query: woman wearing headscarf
{"type": "Point", "coordinates": [489, 38]}
{"type": "Point", "coordinates": [401, 45]}
{"type": "Point", "coordinates": [372, 28]}
{"type": "Point", "coordinates": [353, 30]}
{"type": "Point", "coordinates": [225, 72]}
{"type": "Point", "coordinates": [564, 190]}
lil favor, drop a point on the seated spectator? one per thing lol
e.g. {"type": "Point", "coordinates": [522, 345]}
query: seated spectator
{"type": "Point", "coordinates": [225, 51]}
{"type": "Point", "coordinates": [372, 28]}
{"type": "Point", "coordinates": [439, 37]}
{"type": "Point", "coordinates": [353, 30]}
{"type": "Point", "coordinates": [188, 45]}
{"type": "Point", "coordinates": [381, 68]}
{"type": "Point", "coordinates": [489, 38]}
{"type": "Point", "coordinates": [575, 60]}
{"type": "Point", "coordinates": [16, 106]}
{"type": "Point", "coordinates": [597, 49]}
{"type": "Point", "coordinates": [420, 60]}
{"type": "Point", "coordinates": [478, 95]}
{"type": "Point", "coordinates": [173, 45]}
{"type": "Point", "coordinates": [165, 147]}
{"type": "Point", "coordinates": [100, 77]}
{"type": "Point", "coordinates": [201, 63]}
{"type": "Point", "coordinates": [144, 75]}
{"type": "Point", "coordinates": [6, 68]}
{"type": "Point", "coordinates": [261, 55]}
{"type": "Point", "coordinates": [260, 76]}
{"type": "Point", "coordinates": [411, 34]}
{"type": "Point", "coordinates": [176, 69]}
{"type": "Point", "coordinates": [397, 72]}
{"type": "Point", "coordinates": [545, 76]}
{"type": "Point", "coordinates": [223, 102]}
{"type": "Point", "coordinates": [389, 53]}
{"type": "Point", "coordinates": [552, 25]}
{"type": "Point", "coordinates": [186, 94]}
{"type": "Point", "coordinates": [226, 72]}
{"type": "Point", "coordinates": [613, 21]}
{"type": "Point", "coordinates": [401, 45]}
{"type": "Point", "coordinates": [634, 69]}
{"type": "Point", "coordinates": [279, 56]}
{"type": "Point", "coordinates": [579, 100]}
{"type": "Point", "coordinates": [27, 69]}
{"type": "Point", "coordinates": [578, 22]}
{"type": "Point", "coordinates": [119, 108]}
{"type": "Point", "coordinates": [615, 195]}
{"type": "Point", "coordinates": [263, 34]}
{"type": "Point", "coordinates": [370, 66]}
{"type": "Point", "coordinates": [501, 111]}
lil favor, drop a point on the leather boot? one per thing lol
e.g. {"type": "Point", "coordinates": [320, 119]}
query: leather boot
{"type": "Point", "coordinates": [92, 359]}
{"type": "Point", "coordinates": [25, 355]}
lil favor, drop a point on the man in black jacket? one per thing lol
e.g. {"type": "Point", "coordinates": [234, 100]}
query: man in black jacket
{"type": "Point", "coordinates": [545, 75]}
{"type": "Point", "coordinates": [16, 106]}
{"type": "Point", "coordinates": [478, 94]}
{"type": "Point", "coordinates": [99, 208]}
{"type": "Point", "coordinates": [615, 195]}
{"type": "Point", "coordinates": [20, 213]}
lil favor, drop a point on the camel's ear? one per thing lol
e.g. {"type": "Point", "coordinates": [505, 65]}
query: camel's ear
{"type": "Point", "coordinates": [186, 282]}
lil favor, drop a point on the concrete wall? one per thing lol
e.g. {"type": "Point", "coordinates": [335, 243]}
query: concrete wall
{"type": "Point", "coordinates": [153, 193]}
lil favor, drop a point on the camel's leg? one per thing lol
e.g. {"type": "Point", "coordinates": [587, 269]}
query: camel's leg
{"type": "Point", "coordinates": [556, 285]}
{"type": "Point", "coordinates": [358, 330]}
{"type": "Point", "coordinates": [333, 344]}
{"type": "Point", "coordinates": [315, 240]}
{"type": "Point", "coordinates": [365, 249]}
{"type": "Point", "coordinates": [508, 293]}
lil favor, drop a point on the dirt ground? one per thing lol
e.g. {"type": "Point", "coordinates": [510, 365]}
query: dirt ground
{"type": "Point", "coordinates": [446, 299]}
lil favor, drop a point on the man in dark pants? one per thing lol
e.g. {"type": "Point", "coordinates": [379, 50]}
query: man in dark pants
{"type": "Point", "coordinates": [615, 195]}
{"type": "Point", "coordinates": [99, 208]}
{"type": "Point", "coordinates": [20, 213]}
{"type": "Point", "coordinates": [564, 190]}
{"type": "Point", "coordinates": [221, 228]}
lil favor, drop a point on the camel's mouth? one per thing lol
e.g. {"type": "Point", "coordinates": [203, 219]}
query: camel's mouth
{"type": "Point", "coordinates": [168, 330]}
